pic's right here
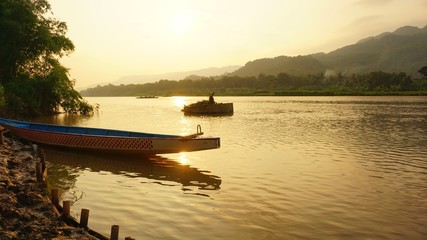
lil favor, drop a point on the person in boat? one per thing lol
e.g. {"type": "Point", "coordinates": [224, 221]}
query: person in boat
{"type": "Point", "coordinates": [211, 98]}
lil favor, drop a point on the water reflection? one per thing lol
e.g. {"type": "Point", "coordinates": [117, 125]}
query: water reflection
{"type": "Point", "coordinates": [63, 119]}
{"type": "Point", "coordinates": [66, 165]}
{"type": "Point", "coordinates": [304, 167]}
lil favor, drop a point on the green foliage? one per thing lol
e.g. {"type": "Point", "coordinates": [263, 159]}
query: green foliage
{"type": "Point", "coordinates": [46, 95]}
{"type": "Point", "coordinates": [423, 71]}
{"type": "Point", "coordinates": [374, 83]}
{"type": "Point", "coordinates": [30, 43]}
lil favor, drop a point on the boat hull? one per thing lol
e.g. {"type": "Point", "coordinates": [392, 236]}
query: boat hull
{"type": "Point", "coordinates": [127, 145]}
{"type": "Point", "coordinates": [203, 108]}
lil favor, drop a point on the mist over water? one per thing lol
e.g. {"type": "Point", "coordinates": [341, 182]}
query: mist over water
{"type": "Point", "coordinates": [288, 168]}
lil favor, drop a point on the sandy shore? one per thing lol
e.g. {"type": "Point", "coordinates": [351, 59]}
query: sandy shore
{"type": "Point", "coordinates": [25, 211]}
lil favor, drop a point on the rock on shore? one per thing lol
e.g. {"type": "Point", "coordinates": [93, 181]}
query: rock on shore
{"type": "Point", "coordinates": [25, 211]}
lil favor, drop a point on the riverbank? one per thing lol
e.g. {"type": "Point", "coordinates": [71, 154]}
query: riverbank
{"type": "Point", "coordinates": [25, 210]}
{"type": "Point", "coordinates": [267, 93]}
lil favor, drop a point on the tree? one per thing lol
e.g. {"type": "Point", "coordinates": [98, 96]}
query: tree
{"type": "Point", "coordinates": [423, 71]}
{"type": "Point", "coordinates": [31, 42]}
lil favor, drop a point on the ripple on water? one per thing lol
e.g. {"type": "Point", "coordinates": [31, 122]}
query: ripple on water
{"type": "Point", "coordinates": [288, 168]}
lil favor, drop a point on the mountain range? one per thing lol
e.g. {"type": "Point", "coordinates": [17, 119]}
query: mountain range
{"type": "Point", "coordinates": [403, 50]}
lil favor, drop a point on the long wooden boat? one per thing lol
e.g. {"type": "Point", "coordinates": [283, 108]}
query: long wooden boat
{"type": "Point", "coordinates": [109, 140]}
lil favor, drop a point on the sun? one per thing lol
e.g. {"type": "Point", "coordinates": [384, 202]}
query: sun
{"type": "Point", "coordinates": [181, 23]}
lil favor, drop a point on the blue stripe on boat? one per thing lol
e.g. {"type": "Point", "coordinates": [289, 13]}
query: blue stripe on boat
{"type": "Point", "coordinates": [82, 130]}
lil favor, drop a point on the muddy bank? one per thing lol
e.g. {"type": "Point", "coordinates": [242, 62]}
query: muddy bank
{"type": "Point", "coordinates": [25, 210]}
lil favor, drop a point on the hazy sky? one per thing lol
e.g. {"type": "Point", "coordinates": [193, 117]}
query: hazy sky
{"type": "Point", "coordinates": [116, 38]}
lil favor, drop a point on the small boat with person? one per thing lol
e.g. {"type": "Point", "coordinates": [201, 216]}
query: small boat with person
{"type": "Point", "coordinates": [210, 107]}
{"type": "Point", "coordinates": [109, 140]}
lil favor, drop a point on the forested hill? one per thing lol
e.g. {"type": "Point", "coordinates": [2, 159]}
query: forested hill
{"type": "Point", "coordinates": [404, 50]}
{"type": "Point", "coordinates": [300, 65]}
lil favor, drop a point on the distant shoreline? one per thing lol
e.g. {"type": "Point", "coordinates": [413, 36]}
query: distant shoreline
{"type": "Point", "coordinates": [288, 93]}
{"type": "Point", "coordinates": [355, 93]}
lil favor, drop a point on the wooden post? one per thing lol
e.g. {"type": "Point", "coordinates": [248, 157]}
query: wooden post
{"type": "Point", "coordinates": [84, 218]}
{"type": "Point", "coordinates": [35, 151]}
{"type": "Point", "coordinates": [39, 172]}
{"type": "Point", "coordinates": [1, 135]}
{"type": "Point", "coordinates": [114, 232]}
{"type": "Point", "coordinates": [44, 173]}
{"type": "Point", "coordinates": [55, 197]}
{"type": "Point", "coordinates": [66, 206]}
{"type": "Point", "coordinates": [43, 159]}
{"type": "Point", "coordinates": [38, 151]}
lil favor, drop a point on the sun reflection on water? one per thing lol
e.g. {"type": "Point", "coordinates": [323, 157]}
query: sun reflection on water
{"type": "Point", "coordinates": [182, 158]}
{"type": "Point", "coordinates": [179, 101]}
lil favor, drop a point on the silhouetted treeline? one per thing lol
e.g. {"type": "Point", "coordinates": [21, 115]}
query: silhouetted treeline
{"type": "Point", "coordinates": [380, 83]}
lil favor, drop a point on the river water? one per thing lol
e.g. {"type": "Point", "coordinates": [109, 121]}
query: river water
{"type": "Point", "coordinates": [288, 168]}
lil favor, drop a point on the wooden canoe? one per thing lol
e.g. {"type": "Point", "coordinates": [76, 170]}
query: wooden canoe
{"type": "Point", "coordinates": [108, 140]}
